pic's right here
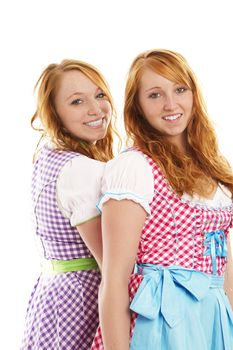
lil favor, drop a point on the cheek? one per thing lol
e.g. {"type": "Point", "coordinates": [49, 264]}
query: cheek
{"type": "Point", "coordinates": [145, 107]}
{"type": "Point", "coordinates": [63, 116]}
{"type": "Point", "coordinates": [66, 118]}
{"type": "Point", "coordinates": [190, 107]}
{"type": "Point", "coordinates": [71, 118]}
{"type": "Point", "coordinates": [151, 110]}
{"type": "Point", "coordinates": [189, 103]}
{"type": "Point", "coordinates": [106, 108]}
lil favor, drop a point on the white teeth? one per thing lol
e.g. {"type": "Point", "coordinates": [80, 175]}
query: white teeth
{"type": "Point", "coordinates": [172, 117]}
{"type": "Point", "coordinates": [95, 123]}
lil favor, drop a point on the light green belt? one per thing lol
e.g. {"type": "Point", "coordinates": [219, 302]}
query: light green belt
{"type": "Point", "coordinates": [60, 266]}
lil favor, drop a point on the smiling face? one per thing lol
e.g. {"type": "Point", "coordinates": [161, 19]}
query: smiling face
{"type": "Point", "coordinates": [166, 105]}
{"type": "Point", "coordinates": [82, 106]}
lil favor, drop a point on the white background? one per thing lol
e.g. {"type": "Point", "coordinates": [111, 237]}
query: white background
{"type": "Point", "coordinates": [108, 34]}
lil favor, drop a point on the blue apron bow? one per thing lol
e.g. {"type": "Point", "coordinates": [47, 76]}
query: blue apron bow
{"type": "Point", "coordinates": [216, 244]}
{"type": "Point", "coordinates": [160, 294]}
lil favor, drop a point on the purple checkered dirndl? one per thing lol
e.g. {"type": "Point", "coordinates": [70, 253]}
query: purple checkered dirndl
{"type": "Point", "coordinates": [62, 312]}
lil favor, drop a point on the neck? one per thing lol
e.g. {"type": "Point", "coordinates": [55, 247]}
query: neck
{"type": "Point", "coordinates": [180, 143]}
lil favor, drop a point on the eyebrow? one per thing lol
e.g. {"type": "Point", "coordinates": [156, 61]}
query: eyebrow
{"type": "Point", "coordinates": [74, 94]}
{"type": "Point", "coordinates": [154, 87]}
{"type": "Point", "coordinates": [159, 87]}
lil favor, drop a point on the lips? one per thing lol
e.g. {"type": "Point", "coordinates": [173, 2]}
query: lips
{"type": "Point", "coordinates": [172, 117]}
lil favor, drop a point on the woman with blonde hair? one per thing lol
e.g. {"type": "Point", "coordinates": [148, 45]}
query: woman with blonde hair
{"type": "Point", "coordinates": [166, 215]}
{"type": "Point", "coordinates": [75, 108]}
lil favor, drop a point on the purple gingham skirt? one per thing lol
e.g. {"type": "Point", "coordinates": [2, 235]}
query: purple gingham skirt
{"type": "Point", "coordinates": [63, 312]}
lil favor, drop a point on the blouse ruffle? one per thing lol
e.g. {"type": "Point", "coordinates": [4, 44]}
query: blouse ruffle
{"type": "Point", "coordinates": [78, 189]}
{"type": "Point", "coordinates": [128, 176]}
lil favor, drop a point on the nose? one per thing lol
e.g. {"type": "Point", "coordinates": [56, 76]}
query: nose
{"type": "Point", "coordinates": [169, 102]}
{"type": "Point", "coordinates": [94, 108]}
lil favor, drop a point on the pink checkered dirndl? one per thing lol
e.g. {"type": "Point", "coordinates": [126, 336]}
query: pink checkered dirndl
{"type": "Point", "coordinates": [62, 312]}
{"type": "Point", "coordinates": [180, 242]}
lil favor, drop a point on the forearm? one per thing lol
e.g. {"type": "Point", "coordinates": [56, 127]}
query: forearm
{"type": "Point", "coordinates": [115, 316]}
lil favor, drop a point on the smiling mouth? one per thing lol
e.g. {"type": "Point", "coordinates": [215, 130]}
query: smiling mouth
{"type": "Point", "coordinates": [172, 117]}
{"type": "Point", "coordinates": [95, 123]}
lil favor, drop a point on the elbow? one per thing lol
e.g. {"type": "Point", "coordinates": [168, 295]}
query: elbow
{"type": "Point", "coordinates": [113, 289]}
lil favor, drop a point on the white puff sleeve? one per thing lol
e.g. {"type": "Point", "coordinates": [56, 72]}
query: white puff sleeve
{"type": "Point", "coordinates": [129, 176]}
{"type": "Point", "coordinates": [78, 189]}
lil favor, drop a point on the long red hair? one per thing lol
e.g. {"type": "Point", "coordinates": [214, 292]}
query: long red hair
{"type": "Point", "coordinates": [51, 125]}
{"type": "Point", "coordinates": [203, 161]}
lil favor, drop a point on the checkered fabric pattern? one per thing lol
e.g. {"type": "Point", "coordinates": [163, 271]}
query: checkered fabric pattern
{"type": "Point", "coordinates": [59, 239]}
{"type": "Point", "coordinates": [63, 311]}
{"type": "Point", "coordinates": [174, 235]}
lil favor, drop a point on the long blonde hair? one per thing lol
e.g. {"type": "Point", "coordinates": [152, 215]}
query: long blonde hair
{"type": "Point", "coordinates": [203, 159]}
{"type": "Point", "coordinates": [52, 126]}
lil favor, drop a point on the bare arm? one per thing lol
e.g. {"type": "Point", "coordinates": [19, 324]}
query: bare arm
{"type": "Point", "coordinates": [90, 232]}
{"type": "Point", "coordinates": [122, 222]}
{"type": "Point", "coordinates": [229, 270]}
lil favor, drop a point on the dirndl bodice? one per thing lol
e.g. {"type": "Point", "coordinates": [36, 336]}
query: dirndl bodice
{"type": "Point", "coordinates": [176, 290]}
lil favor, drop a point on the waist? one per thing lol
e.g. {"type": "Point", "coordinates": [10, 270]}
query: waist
{"type": "Point", "coordinates": [215, 281]}
{"type": "Point", "coordinates": [62, 266]}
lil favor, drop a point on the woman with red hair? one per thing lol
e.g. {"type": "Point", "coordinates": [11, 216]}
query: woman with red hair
{"type": "Point", "coordinates": [76, 117]}
{"type": "Point", "coordinates": [166, 216]}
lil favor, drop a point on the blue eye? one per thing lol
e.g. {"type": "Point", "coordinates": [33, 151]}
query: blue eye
{"type": "Point", "coordinates": [78, 101]}
{"type": "Point", "coordinates": [154, 95]}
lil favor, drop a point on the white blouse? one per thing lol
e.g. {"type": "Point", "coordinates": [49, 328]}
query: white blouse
{"type": "Point", "coordinates": [78, 189]}
{"type": "Point", "coordinates": [129, 176]}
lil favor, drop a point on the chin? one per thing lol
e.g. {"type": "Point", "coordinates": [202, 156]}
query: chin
{"type": "Point", "coordinates": [94, 140]}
